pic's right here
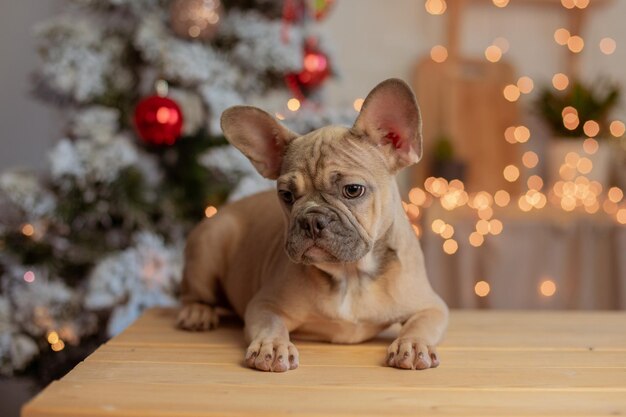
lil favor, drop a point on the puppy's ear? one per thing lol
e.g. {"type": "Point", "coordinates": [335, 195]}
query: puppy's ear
{"type": "Point", "coordinates": [390, 117]}
{"type": "Point", "coordinates": [258, 136]}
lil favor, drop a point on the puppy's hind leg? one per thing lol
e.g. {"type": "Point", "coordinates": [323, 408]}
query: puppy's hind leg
{"type": "Point", "coordinates": [199, 288]}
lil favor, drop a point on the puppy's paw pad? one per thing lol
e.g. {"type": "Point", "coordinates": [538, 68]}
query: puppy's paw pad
{"type": "Point", "coordinates": [197, 317]}
{"type": "Point", "coordinates": [411, 353]}
{"type": "Point", "coordinates": [272, 355]}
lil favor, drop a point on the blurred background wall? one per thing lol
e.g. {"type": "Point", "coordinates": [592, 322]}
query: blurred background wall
{"type": "Point", "coordinates": [373, 40]}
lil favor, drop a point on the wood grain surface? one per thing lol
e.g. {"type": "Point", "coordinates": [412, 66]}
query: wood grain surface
{"type": "Point", "coordinates": [504, 363]}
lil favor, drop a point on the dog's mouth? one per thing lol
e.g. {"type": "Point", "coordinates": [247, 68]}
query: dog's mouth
{"type": "Point", "coordinates": [317, 254]}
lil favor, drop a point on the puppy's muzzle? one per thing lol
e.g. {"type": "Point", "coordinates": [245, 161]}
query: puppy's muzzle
{"type": "Point", "coordinates": [313, 222]}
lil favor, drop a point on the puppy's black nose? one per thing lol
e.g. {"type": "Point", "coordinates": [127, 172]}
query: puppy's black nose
{"type": "Point", "coordinates": [313, 224]}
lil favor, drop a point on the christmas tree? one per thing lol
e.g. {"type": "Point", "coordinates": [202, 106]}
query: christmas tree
{"type": "Point", "coordinates": [98, 237]}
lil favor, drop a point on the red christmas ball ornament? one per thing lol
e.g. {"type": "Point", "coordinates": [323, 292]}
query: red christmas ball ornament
{"type": "Point", "coordinates": [158, 120]}
{"type": "Point", "coordinates": [315, 70]}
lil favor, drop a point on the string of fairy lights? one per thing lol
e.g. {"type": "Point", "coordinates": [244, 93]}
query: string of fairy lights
{"type": "Point", "coordinates": [573, 191]}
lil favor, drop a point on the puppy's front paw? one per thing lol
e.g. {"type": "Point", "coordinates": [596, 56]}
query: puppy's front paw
{"type": "Point", "coordinates": [197, 316]}
{"type": "Point", "coordinates": [411, 353]}
{"type": "Point", "coordinates": [276, 355]}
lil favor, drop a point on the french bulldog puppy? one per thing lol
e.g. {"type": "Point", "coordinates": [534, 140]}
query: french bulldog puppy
{"type": "Point", "coordinates": [329, 256]}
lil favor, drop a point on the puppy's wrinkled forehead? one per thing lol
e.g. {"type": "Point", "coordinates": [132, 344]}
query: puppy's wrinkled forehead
{"type": "Point", "coordinates": [332, 150]}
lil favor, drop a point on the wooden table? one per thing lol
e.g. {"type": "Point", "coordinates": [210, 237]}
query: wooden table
{"type": "Point", "coordinates": [493, 363]}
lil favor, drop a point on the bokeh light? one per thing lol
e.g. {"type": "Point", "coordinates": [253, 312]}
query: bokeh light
{"type": "Point", "coordinates": [210, 211]}
{"type": "Point", "coordinates": [482, 288]}
{"type": "Point", "coordinates": [560, 81]}
{"type": "Point", "coordinates": [561, 36]}
{"type": "Point", "coordinates": [293, 104]}
{"type": "Point", "coordinates": [525, 84]}
{"type": "Point", "coordinates": [439, 53]}
{"type": "Point", "coordinates": [502, 198]}
{"type": "Point", "coordinates": [358, 104]}
{"type": "Point", "coordinates": [591, 128]}
{"type": "Point", "coordinates": [547, 288]}
{"type": "Point", "coordinates": [590, 146]}
{"type": "Point", "coordinates": [450, 246]}
{"type": "Point", "coordinates": [575, 44]}
{"type": "Point", "coordinates": [436, 7]}
{"type": "Point", "coordinates": [511, 173]}
{"type": "Point", "coordinates": [530, 159]}
{"type": "Point", "coordinates": [608, 46]}
{"type": "Point", "coordinates": [617, 128]}
{"type": "Point", "coordinates": [493, 53]}
{"type": "Point", "coordinates": [511, 92]}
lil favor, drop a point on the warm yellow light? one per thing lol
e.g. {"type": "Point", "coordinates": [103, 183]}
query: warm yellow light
{"type": "Point", "coordinates": [568, 4]}
{"type": "Point", "coordinates": [53, 337]}
{"type": "Point", "coordinates": [591, 128]}
{"type": "Point", "coordinates": [280, 116]}
{"type": "Point", "coordinates": [447, 232]}
{"type": "Point", "coordinates": [435, 7]}
{"type": "Point", "coordinates": [456, 184]}
{"type": "Point", "coordinates": [500, 3]}
{"type": "Point", "coordinates": [615, 194]}
{"type": "Point", "coordinates": [493, 53]}
{"type": "Point", "coordinates": [571, 159]}
{"type": "Point", "coordinates": [509, 134]}
{"type": "Point", "coordinates": [607, 46]}
{"type": "Point", "coordinates": [547, 288]}
{"type": "Point", "coordinates": [523, 204]}
{"type": "Point", "coordinates": [438, 225]}
{"type": "Point", "coordinates": [575, 44]}
{"type": "Point", "coordinates": [620, 216]}
{"type": "Point", "coordinates": [412, 211]}
{"type": "Point", "coordinates": [511, 173]}
{"type": "Point", "coordinates": [590, 146]}
{"type": "Point", "coordinates": [439, 53]}
{"type": "Point", "coordinates": [357, 104]}
{"type": "Point", "coordinates": [511, 92]}
{"type": "Point", "coordinates": [521, 134]}
{"type": "Point", "coordinates": [525, 85]}
{"type": "Point", "coordinates": [502, 198]}
{"type": "Point", "coordinates": [417, 230]}
{"type": "Point", "coordinates": [482, 200]}
{"type": "Point", "coordinates": [476, 239]}
{"type": "Point", "coordinates": [569, 110]}
{"type": "Point", "coordinates": [535, 182]}
{"type": "Point", "coordinates": [58, 346]}
{"type": "Point", "coordinates": [568, 203]}
{"type": "Point", "coordinates": [495, 226]}
{"type": "Point", "coordinates": [561, 36]}
{"type": "Point", "coordinates": [482, 288]}
{"type": "Point", "coordinates": [617, 128]}
{"type": "Point", "coordinates": [584, 165]}
{"type": "Point", "coordinates": [581, 4]}
{"type": "Point", "coordinates": [530, 159]}
{"type": "Point", "coordinates": [560, 81]}
{"type": "Point", "coordinates": [417, 196]}
{"type": "Point", "coordinates": [28, 230]}
{"type": "Point", "coordinates": [570, 121]}
{"type": "Point", "coordinates": [450, 246]}
{"type": "Point", "coordinates": [482, 226]}
{"type": "Point", "coordinates": [210, 211]}
{"type": "Point", "coordinates": [293, 104]}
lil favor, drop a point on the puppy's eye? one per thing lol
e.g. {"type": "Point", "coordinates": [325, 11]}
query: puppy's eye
{"type": "Point", "coordinates": [286, 196]}
{"type": "Point", "coordinates": [353, 191]}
